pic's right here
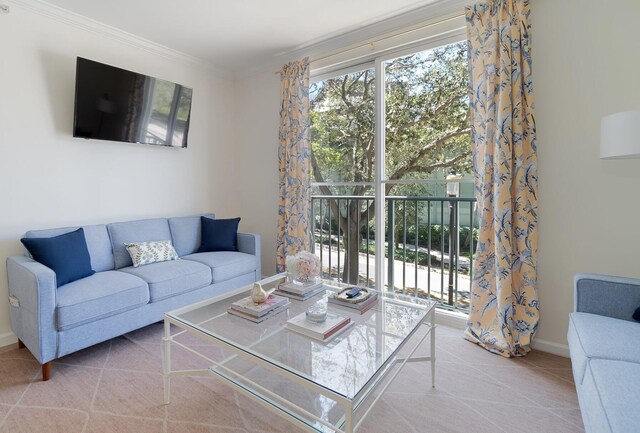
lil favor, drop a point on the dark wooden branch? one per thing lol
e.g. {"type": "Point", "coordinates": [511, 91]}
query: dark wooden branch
{"type": "Point", "coordinates": [437, 112]}
{"type": "Point", "coordinates": [410, 166]}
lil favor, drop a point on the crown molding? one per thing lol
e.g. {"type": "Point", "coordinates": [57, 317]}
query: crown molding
{"type": "Point", "coordinates": [88, 24]}
{"type": "Point", "coordinates": [401, 18]}
{"type": "Point", "coordinates": [406, 21]}
{"type": "Point", "coordinates": [385, 27]}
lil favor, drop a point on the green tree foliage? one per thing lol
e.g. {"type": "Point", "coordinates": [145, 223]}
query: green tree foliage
{"type": "Point", "coordinates": [427, 129]}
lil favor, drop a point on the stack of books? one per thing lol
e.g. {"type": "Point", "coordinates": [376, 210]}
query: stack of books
{"type": "Point", "coordinates": [365, 300]}
{"type": "Point", "coordinates": [332, 326]}
{"type": "Point", "coordinates": [249, 310]}
{"type": "Point", "coordinates": [300, 292]}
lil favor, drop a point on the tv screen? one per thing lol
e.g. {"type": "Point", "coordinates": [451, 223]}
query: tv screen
{"type": "Point", "coordinates": [119, 105]}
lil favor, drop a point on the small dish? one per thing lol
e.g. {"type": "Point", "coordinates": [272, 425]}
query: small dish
{"type": "Point", "coordinates": [317, 313]}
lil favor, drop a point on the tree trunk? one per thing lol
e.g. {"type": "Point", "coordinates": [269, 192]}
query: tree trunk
{"type": "Point", "coordinates": [351, 239]}
{"type": "Point", "coordinates": [352, 256]}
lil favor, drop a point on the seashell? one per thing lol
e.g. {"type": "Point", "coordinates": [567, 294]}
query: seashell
{"type": "Point", "coordinates": [258, 294]}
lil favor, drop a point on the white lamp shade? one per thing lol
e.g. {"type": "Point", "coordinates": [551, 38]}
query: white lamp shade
{"type": "Point", "coordinates": [453, 186]}
{"type": "Point", "coordinates": [620, 135]}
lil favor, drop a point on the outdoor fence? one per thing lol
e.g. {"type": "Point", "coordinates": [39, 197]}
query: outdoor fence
{"type": "Point", "coordinates": [429, 244]}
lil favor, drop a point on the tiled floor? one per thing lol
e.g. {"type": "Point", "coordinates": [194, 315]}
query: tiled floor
{"type": "Point", "coordinates": [116, 386]}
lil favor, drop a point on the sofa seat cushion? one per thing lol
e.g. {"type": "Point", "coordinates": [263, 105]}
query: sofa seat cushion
{"type": "Point", "coordinates": [166, 279]}
{"type": "Point", "coordinates": [609, 394]}
{"type": "Point", "coordinates": [594, 336]}
{"type": "Point", "coordinates": [225, 264]}
{"type": "Point", "coordinates": [100, 295]}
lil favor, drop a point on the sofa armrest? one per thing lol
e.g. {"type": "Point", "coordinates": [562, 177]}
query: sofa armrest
{"type": "Point", "coordinates": [250, 243]}
{"type": "Point", "coordinates": [33, 289]}
{"type": "Point", "coordinates": [606, 295]}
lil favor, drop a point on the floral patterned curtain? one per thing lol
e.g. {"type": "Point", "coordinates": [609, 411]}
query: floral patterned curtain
{"type": "Point", "coordinates": [294, 211]}
{"type": "Point", "coordinates": [504, 303]}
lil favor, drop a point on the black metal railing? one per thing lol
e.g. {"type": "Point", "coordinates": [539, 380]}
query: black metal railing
{"type": "Point", "coordinates": [429, 244]}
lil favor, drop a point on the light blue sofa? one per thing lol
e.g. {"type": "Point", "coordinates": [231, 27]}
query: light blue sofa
{"type": "Point", "coordinates": [52, 322]}
{"type": "Point", "coordinates": [604, 342]}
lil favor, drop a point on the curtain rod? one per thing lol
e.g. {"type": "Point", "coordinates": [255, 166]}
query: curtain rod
{"type": "Point", "coordinates": [372, 43]}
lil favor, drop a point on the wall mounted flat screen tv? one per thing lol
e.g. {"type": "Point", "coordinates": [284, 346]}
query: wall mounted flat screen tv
{"type": "Point", "coordinates": [119, 105]}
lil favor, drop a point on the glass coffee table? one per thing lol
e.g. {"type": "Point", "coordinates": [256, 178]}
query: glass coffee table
{"type": "Point", "coordinates": [321, 386]}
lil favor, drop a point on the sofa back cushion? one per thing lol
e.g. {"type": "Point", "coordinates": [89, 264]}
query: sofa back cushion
{"type": "Point", "coordinates": [67, 255]}
{"type": "Point", "coordinates": [219, 234]}
{"type": "Point", "coordinates": [156, 229]}
{"type": "Point", "coordinates": [186, 233]}
{"type": "Point", "coordinates": [98, 243]}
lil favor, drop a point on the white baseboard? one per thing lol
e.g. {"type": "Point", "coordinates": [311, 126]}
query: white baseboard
{"type": "Point", "coordinates": [551, 347]}
{"type": "Point", "coordinates": [452, 319]}
{"type": "Point", "coordinates": [7, 339]}
{"type": "Point", "coordinates": [459, 321]}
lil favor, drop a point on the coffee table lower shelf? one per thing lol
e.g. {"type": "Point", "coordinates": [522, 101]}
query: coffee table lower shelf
{"type": "Point", "coordinates": [279, 404]}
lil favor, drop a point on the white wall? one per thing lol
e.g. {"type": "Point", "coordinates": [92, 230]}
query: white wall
{"type": "Point", "coordinates": [257, 118]}
{"type": "Point", "coordinates": [586, 65]}
{"type": "Point", "coordinates": [49, 179]}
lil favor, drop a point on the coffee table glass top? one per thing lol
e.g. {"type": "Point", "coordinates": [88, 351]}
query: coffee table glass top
{"type": "Point", "coordinates": [345, 365]}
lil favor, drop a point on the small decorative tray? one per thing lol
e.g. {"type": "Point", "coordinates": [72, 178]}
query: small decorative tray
{"type": "Point", "coordinates": [362, 296]}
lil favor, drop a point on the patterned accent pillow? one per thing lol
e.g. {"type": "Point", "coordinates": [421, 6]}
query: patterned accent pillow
{"type": "Point", "coordinates": [144, 253]}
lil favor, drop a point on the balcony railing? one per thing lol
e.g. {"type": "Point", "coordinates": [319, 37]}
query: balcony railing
{"type": "Point", "coordinates": [429, 244]}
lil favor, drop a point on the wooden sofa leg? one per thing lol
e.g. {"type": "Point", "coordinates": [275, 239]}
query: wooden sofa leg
{"type": "Point", "coordinates": [46, 371]}
{"type": "Point", "coordinates": [46, 368]}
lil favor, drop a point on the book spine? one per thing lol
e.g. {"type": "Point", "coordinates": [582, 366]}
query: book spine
{"type": "Point", "coordinates": [298, 297]}
{"type": "Point", "coordinates": [292, 288]}
{"type": "Point", "coordinates": [250, 312]}
{"type": "Point", "coordinates": [304, 331]}
{"type": "Point", "coordinates": [343, 304]}
{"type": "Point", "coordinates": [259, 319]}
{"type": "Point", "coordinates": [291, 296]}
{"type": "Point", "coordinates": [324, 337]}
{"type": "Point", "coordinates": [337, 327]}
{"type": "Point", "coordinates": [362, 306]}
{"type": "Point", "coordinates": [367, 307]}
{"type": "Point", "coordinates": [245, 316]}
{"type": "Point", "coordinates": [257, 313]}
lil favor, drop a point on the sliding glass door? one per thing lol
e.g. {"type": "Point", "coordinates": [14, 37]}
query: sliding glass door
{"type": "Point", "coordinates": [393, 196]}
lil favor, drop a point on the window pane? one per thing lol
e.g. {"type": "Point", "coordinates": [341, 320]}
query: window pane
{"type": "Point", "coordinates": [427, 110]}
{"type": "Point", "coordinates": [343, 149]}
{"type": "Point", "coordinates": [342, 127]}
{"type": "Point", "coordinates": [430, 235]}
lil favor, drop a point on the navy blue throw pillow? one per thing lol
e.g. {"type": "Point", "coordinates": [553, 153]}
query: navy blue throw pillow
{"type": "Point", "coordinates": [218, 234]}
{"type": "Point", "coordinates": [636, 314]}
{"type": "Point", "coordinates": [67, 255]}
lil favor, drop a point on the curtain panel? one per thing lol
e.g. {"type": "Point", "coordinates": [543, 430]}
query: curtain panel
{"type": "Point", "coordinates": [504, 310]}
{"type": "Point", "coordinates": [294, 154]}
